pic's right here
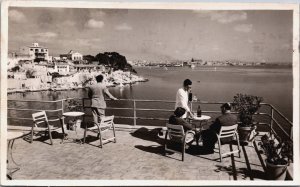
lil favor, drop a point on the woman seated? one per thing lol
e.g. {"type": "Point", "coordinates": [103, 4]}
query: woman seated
{"type": "Point", "coordinates": [176, 119]}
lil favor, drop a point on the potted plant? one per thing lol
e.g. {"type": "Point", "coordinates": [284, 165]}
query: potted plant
{"type": "Point", "coordinates": [246, 106]}
{"type": "Point", "coordinates": [278, 156]}
{"type": "Point", "coordinates": [74, 106]}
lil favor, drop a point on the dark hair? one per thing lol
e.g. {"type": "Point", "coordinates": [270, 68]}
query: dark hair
{"type": "Point", "coordinates": [99, 78]}
{"type": "Point", "coordinates": [226, 106]}
{"type": "Point", "coordinates": [179, 111]}
{"type": "Point", "coordinates": [187, 82]}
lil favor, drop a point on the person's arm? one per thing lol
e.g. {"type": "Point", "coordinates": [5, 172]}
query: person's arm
{"type": "Point", "coordinates": [186, 125]}
{"type": "Point", "coordinates": [109, 94]}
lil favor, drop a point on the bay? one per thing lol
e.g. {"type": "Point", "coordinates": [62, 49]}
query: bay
{"type": "Point", "coordinates": [210, 84]}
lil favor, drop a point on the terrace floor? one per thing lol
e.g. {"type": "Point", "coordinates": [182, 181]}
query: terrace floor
{"type": "Point", "coordinates": [137, 155]}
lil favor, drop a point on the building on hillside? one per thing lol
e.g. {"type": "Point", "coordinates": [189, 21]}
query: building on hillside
{"type": "Point", "coordinates": [75, 56]}
{"type": "Point", "coordinates": [36, 52]}
{"type": "Point", "coordinates": [20, 76]}
{"type": "Point", "coordinates": [14, 58]}
{"type": "Point", "coordinates": [30, 83]}
{"type": "Point", "coordinates": [61, 68]}
{"type": "Point", "coordinates": [56, 58]}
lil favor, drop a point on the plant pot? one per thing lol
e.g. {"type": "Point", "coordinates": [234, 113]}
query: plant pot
{"type": "Point", "coordinates": [276, 172]}
{"type": "Point", "coordinates": [244, 133]}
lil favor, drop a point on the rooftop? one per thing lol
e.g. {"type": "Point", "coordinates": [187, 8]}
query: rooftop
{"type": "Point", "coordinates": [137, 155]}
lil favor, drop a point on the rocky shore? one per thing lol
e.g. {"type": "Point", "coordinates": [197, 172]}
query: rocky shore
{"type": "Point", "coordinates": [81, 80]}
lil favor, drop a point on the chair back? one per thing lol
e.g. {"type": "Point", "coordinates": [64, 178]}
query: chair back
{"type": "Point", "coordinates": [39, 117]}
{"type": "Point", "coordinates": [107, 121]}
{"type": "Point", "coordinates": [176, 132]}
{"type": "Point", "coordinates": [227, 131]}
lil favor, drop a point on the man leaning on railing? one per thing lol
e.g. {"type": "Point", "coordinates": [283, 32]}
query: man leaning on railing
{"type": "Point", "coordinates": [96, 93]}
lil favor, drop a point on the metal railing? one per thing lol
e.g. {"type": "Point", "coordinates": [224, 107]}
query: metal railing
{"type": "Point", "coordinates": [275, 121]}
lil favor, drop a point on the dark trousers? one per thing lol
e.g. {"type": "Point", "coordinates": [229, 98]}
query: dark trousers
{"type": "Point", "coordinates": [209, 138]}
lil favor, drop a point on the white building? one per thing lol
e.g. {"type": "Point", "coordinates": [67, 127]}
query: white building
{"type": "Point", "coordinates": [75, 56]}
{"type": "Point", "coordinates": [61, 68]}
{"type": "Point", "coordinates": [36, 52]}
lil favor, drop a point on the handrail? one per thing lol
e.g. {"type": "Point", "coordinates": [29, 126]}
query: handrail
{"type": "Point", "coordinates": [278, 112]}
{"type": "Point", "coordinates": [40, 101]}
{"type": "Point", "coordinates": [26, 109]}
{"type": "Point", "coordinates": [134, 108]}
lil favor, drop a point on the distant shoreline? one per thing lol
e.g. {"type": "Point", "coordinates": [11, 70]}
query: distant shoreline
{"type": "Point", "coordinates": [63, 89]}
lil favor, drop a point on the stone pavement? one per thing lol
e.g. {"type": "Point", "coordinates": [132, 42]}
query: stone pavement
{"type": "Point", "coordinates": [137, 155]}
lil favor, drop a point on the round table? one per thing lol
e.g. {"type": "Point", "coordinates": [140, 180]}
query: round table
{"type": "Point", "coordinates": [11, 137]}
{"type": "Point", "coordinates": [202, 118]}
{"type": "Point", "coordinates": [75, 115]}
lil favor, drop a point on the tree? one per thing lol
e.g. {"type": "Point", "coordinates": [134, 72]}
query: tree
{"type": "Point", "coordinates": [113, 60]}
{"type": "Point", "coordinates": [16, 68]}
{"type": "Point", "coordinates": [102, 59]}
{"type": "Point", "coordinates": [89, 58]}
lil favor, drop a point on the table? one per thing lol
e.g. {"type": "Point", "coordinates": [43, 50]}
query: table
{"type": "Point", "coordinates": [11, 137]}
{"type": "Point", "coordinates": [75, 122]}
{"type": "Point", "coordinates": [203, 118]}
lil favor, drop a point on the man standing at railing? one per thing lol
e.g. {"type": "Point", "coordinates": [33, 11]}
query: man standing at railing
{"type": "Point", "coordinates": [182, 98]}
{"type": "Point", "coordinates": [96, 93]}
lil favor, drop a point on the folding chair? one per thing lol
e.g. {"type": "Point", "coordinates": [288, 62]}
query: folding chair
{"type": "Point", "coordinates": [41, 117]}
{"type": "Point", "coordinates": [175, 134]}
{"type": "Point", "coordinates": [106, 124]}
{"type": "Point", "coordinates": [228, 131]}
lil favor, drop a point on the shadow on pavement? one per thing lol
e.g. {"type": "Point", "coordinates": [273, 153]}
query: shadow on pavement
{"type": "Point", "coordinates": [149, 135]}
{"type": "Point", "coordinates": [40, 136]}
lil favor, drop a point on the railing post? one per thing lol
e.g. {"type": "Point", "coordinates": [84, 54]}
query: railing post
{"type": "Point", "coordinates": [272, 117]}
{"type": "Point", "coordinates": [134, 113]}
{"type": "Point", "coordinates": [62, 106]}
{"type": "Point", "coordinates": [83, 110]}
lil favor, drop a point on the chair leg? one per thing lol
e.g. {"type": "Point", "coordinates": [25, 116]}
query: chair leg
{"type": "Point", "coordinates": [238, 144]}
{"type": "Point", "coordinates": [100, 137]}
{"type": "Point", "coordinates": [50, 135]}
{"type": "Point", "coordinates": [32, 129]}
{"type": "Point", "coordinates": [183, 150]}
{"type": "Point", "coordinates": [62, 129]}
{"type": "Point", "coordinates": [84, 134]}
{"type": "Point", "coordinates": [115, 139]}
{"type": "Point", "coordinates": [165, 142]}
{"type": "Point", "coordinates": [219, 145]}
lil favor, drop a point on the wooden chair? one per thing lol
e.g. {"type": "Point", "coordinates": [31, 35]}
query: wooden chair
{"type": "Point", "coordinates": [228, 131]}
{"type": "Point", "coordinates": [106, 124]}
{"type": "Point", "coordinates": [41, 117]}
{"type": "Point", "coordinates": [175, 134]}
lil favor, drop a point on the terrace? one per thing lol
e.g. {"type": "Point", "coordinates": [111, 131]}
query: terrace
{"type": "Point", "coordinates": [138, 153]}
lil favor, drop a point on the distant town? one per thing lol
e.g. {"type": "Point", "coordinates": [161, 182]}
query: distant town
{"type": "Point", "coordinates": [33, 69]}
{"type": "Point", "coordinates": [200, 62]}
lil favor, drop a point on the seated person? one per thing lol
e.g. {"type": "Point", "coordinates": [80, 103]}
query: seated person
{"type": "Point", "coordinates": [209, 136]}
{"type": "Point", "coordinates": [176, 119]}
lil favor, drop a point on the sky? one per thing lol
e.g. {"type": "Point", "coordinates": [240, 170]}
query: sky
{"type": "Point", "coordinates": [247, 35]}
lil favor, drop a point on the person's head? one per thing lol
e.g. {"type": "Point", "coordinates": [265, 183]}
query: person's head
{"type": "Point", "coordinates": [225, 108]}
{"type": "Point", "coordinates": [187, 84]}
{"type": "Point", "coordinates": [99, 78]}
{"type": "Point", "coordinates": [179, 111]}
